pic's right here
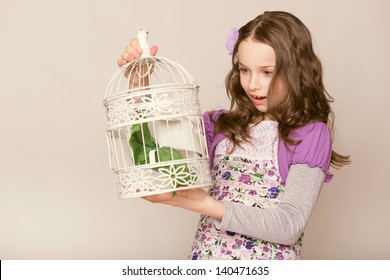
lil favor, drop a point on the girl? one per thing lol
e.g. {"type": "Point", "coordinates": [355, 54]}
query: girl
{"type": "Point", "coordinates": [270, 153]}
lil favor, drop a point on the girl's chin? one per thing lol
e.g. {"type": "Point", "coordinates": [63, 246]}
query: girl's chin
{"type": "Point", "coordinates": [261, 108]}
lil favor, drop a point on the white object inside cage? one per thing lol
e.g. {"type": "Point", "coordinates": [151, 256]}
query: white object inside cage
{"type": "Point", "coordinates": [155, 133]}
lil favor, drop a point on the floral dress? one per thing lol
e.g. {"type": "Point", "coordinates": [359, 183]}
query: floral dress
{"type": "Point", "coordinates": [248, 176]}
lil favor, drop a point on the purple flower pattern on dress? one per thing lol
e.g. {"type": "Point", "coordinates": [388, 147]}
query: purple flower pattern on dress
{"type": "Point", "coordinates": [226, 176]}
{"type": "Point", "coordinates": [248, 243]}
{"type": "Point", "coordinates": [244, 178]}
{"type": "Point", "coordinates": [255, 184]}
{"type": "Point", "coordinates": [252, 192]}
{"type": "Point", "coordinates": [273, 192]}
{"type": "Point", "coordinates": [279, 256]}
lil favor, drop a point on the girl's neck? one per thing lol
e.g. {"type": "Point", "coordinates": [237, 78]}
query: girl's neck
{"type": "Point", "coordinates": [259, 119]}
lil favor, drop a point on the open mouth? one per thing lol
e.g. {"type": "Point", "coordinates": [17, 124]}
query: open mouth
{"type": "Point", "coordinates": [258, 100]}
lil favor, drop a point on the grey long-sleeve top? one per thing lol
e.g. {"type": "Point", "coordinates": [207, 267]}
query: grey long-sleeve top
{"type": "Point", "coordinates": [285, 223]}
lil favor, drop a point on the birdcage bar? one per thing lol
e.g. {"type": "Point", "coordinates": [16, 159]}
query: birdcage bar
{"type": "Point", "coordinates": [116, 162]}
{"type": "Point", "coordinates": [185, 140]}
{"type": "Point", "coordinates": [165, 66]}
{"type": "Point", "coordinates": [131, 151]}
{"type": "Point", "coordinates": [157, 143]}
{"type": "Point", "coordinates": [115, 140]}
{"type": "Point", "coordinates": [121, 146]}
{"type": "Point", "coordinates": [110, 159]}
{"type": "Point", "coordinates": [202, 136]}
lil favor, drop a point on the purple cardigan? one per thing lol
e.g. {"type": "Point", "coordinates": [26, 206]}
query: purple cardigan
{"type": "Point", "coordinates": [315, 150]}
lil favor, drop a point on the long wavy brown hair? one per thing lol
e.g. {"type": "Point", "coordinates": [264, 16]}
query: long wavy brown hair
{"type": "Point", "coordinates": [297, 67]}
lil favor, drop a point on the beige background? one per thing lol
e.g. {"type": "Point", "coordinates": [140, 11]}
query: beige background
{"type": "Point", "coordinates": [57, 195]}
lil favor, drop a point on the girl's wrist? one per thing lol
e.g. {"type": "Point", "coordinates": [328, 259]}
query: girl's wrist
{"type": "Point", "coordinates": [213, 208]}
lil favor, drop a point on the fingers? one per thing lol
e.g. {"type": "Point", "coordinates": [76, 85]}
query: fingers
{"type": "Point", "coordinates": [121, 62]}
{"type": "Point", "coordinates": [159, 198]}
{"type": "Point", "coordinates": [135, 45]}
{"type": "Point", "coordinates": [126, 56]}
{"type": "Point", "coordinates": [154, 50]}
{"type": "Point", "coordinates": [133, 51]}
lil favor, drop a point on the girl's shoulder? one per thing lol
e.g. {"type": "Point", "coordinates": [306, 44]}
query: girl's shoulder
{"type": "Point", "coordinates": [311, 131]}
{"type": "Point", "coordinates": [209, 119]}
{"type": "Point", "coordinates": [314, 148]}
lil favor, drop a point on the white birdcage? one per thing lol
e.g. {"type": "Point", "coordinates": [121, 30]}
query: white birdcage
{"type": "Point", "coordinates": [155, 136]}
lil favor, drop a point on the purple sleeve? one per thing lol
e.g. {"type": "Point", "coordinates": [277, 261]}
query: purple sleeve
{"type": "Point", "coordinates": [209, 129]}
{"type": "Point", "coordinates": [315, 149]}
{"type": "Point", "coordinates": [211, 139]}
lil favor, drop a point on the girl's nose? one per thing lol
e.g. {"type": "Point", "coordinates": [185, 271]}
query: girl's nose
{"type": "Point", "coordinates": [254, 83]}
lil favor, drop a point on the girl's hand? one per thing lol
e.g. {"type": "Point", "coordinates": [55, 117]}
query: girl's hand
{"type": "Point", "coordinates": [133, 51]}
{"type": "Point", "coordinates": [196, 200]}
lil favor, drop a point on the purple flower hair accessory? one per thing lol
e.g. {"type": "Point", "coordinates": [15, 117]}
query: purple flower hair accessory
{"type": "Point", "coordinates": [231, 39]}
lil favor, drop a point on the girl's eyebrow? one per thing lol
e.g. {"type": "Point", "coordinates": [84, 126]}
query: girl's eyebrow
{"type": "Point", "coordinates": [265, 66]}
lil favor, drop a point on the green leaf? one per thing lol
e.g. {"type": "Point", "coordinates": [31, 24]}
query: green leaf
{"type": "Point", "coordinates": [140, 135]}
{"type": "Point", "coordinates": [137, 144]}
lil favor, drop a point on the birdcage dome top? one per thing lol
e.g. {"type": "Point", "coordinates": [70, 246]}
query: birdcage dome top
{"type": "Point", "coordinates": [148, 73]}
{"type": "Point", "coordinates": [149, 88]}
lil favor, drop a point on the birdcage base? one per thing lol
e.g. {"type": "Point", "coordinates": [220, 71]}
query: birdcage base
{"type": "Point", "coordinates": [176, 175]}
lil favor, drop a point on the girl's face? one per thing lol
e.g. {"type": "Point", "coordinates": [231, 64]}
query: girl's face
{"type": "Point", "coordinates": [256, 65]}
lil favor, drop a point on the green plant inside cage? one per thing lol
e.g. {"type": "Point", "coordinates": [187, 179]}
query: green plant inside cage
{"type": "Point", "coordinates": [142, 144]}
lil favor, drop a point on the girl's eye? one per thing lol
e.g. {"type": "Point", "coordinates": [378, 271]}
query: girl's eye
{"type": "Point", "coordinates": [243, 70]}
{"type": "Point", "coordinates": [268, 73]}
